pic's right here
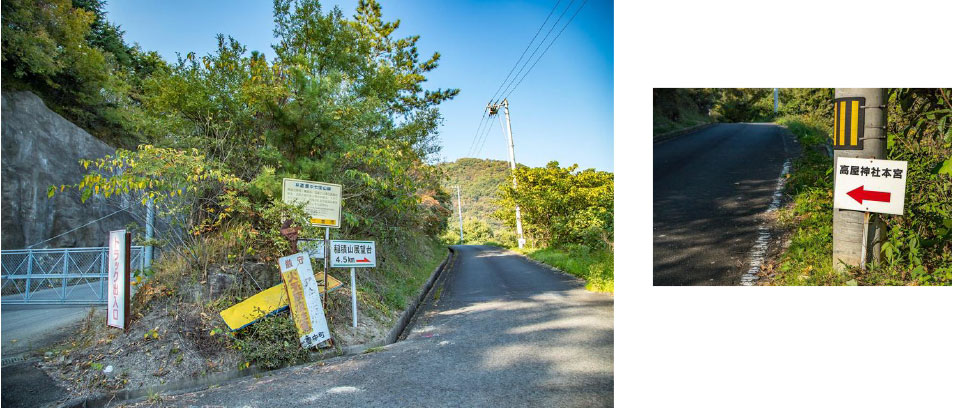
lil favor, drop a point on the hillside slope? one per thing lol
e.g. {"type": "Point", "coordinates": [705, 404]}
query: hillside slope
{"type": "Point", "coordinates": [479, 180]}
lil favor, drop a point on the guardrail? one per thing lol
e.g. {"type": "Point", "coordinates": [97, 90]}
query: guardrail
{"type": "Point", "coordinates": [58, 275]}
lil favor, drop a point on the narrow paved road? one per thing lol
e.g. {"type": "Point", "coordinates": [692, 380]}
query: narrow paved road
{"type": "Point", "coordinates": [709, 190]}
{"type": "Point", "coordinates": [503, 332]}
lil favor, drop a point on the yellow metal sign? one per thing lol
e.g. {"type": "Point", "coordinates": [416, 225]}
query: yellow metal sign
{"type": "Point", "coordinates": [266, 302]}
{"type": "Point", "coordinates": [849, 121]}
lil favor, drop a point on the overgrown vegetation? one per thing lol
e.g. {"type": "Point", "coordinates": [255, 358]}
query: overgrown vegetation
{"type": "Point", "coordinates": [208, 140]}
{"type": "Point", "coordinates": [567, 219]}
{"type": "Point", "coordinates": [917, 248]}
{"type": "Point", "coordinates": [679, 108]}
{"type": "Point", "coordinates": [479, 180]}
{"type": "Point", "coordinates": [595, 266]}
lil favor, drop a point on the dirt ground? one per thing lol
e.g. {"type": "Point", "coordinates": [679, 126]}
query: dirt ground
{"type": "Point", "coordinates": [175, 340]}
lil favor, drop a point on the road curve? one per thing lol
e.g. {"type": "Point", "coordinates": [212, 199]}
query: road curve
{"type": "Point", "coordinates": [496, 330]}
{"type": "Point", "coordinates": [709, 188]}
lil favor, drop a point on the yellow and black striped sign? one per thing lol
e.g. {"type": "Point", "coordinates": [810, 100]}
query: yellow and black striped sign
{"type": "Point", "coordinates": [849, 123]}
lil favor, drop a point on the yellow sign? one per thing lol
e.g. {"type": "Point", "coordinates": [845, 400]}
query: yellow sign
{"type": "Point", "coordinates": [266, 302]}
{"type": "Point", "coordinates": [849, 129]}
{"type": "Point", "coordinates": [304, 299]}
{"type": "Point", "coordinates": [299, 310]}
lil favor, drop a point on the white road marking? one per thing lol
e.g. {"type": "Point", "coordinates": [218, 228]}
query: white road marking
{"type": "Point", "coordinates": [757, 254]}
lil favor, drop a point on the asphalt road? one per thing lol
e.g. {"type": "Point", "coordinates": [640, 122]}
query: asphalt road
{"type": "Point", "coordinates": [496, 330]}
{"type": "Point", "coordinates": [709, 189]}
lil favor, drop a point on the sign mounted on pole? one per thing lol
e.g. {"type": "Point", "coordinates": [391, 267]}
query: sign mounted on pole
{"type": "Point", "coordinates": [849, 124]}
{"type": "Point", "coordinates": [304, 299]}
{"type": "Point", "coordinates": [352, 254]}
{"type": "Point", "coordinates": [117, 314]}
{"type": "Point", "coordinates": [322, 200]}
{"type": "Point", "coordinates": [870, 185]}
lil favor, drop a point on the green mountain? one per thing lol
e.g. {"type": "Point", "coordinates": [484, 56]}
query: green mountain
{"type": "Point", "coordinates": [479, 180]}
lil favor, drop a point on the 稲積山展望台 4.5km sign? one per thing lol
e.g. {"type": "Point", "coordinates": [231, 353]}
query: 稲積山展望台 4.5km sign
{"type": "Point", "coordinates": [352, 254]}
{"type": "Point", "coordinates": [870, 185]}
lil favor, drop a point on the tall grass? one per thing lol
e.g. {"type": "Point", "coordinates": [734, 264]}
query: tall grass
{"type": "Point", "coordinates": [594, 266]}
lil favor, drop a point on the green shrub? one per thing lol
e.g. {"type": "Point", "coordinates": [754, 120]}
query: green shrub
{"type": "Point", "coordinates": [270, 343]}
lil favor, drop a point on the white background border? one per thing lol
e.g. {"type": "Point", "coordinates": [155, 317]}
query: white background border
{"type": "Point", "coordinates": [768, 346]}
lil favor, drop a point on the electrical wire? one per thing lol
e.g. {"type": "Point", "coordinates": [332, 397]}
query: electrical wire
{"type": "Point", "coordinates": [477, 135]}
{"type": "Point", "coordinates": [473, 142]}
{"type": "Point", "coordinates": [555, 24]}
{"type": "Point", "coordinates": [81, 226]}
{"type": "Point", "coordinates": [527, 48]}
{"type": "Point", "coordinates": [546, 49]}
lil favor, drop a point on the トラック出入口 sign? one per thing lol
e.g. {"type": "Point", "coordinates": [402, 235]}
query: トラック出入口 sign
{"type": "Point", "coordinates": [117, 299]}
{"type": "Point", "coordinates": [870, 185]}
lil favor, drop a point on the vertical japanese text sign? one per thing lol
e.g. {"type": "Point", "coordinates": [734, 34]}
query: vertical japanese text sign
{"type": "Point", "coordinates": [304, 299]}
{"type": "Point", "coordinates": [117, 314]}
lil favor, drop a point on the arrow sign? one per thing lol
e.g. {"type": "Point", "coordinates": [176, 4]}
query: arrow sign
{"type": "Point", "coordinates": [860, 194]}
{"type": "Point", "coordinates": [365, 260]}
{"type": "Point", "coordinates": [870, 185]}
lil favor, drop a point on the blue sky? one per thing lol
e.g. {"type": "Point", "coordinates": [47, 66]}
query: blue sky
{"type": "Point", "coordinates": [562, 111]}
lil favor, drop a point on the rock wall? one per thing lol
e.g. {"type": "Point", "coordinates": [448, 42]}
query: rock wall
{"type": "Point", "coordinates": [39, 149]}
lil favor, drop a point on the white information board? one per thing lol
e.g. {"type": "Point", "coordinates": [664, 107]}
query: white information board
{"type": "Point", "coordinates": [352, 254]}
{"type": "Point", "coordinates": [870, 185]}
{"type": "Point", "coordinates": [116, 299]}
{"type": "Point", "coordinates": [304, 299]}
{"type": "Point", "coordinates": [322, 200]}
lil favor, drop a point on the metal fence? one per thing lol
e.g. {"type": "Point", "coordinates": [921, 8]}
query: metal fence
{"type": "Point", "coordinates": [58, 275]}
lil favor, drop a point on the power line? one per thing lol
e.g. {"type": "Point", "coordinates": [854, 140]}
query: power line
{"type": "Point", "coordinates": [555, 23]}
{"type": "Point", "coordinates": [477, 135]}
{"type": "Point", "coordinates": [527, 48]}
{"type": "Point", "coordinates": [546, 49]}
{"type": "Point", "coordinates": [484, 141]}
{"type": "Point", "coordinates": [473, 143]}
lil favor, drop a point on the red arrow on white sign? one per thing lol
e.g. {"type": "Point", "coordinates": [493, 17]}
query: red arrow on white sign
{"type": "Point", "coordinates": [860, 194]}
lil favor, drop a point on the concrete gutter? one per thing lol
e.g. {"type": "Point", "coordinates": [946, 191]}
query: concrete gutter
{"type": "Point", "coordinates": [190, 385]}
{"type": "Point", "coordinates": [676, 133]}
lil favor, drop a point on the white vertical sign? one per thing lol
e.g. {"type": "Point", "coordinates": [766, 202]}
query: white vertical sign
{"type": "Point", "coordinates": [304, 299]}
{"type": "Point", "coordinates": [116, 298]}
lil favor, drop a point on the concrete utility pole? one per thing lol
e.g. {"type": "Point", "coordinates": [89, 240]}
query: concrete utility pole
{"type": "Point", "coordinates": [150, 219]}
{"type": "Point", "coordinates": [513, 163]}
{"type": "Point", "coordinates": [848, 226]}
{"type": "Point", "coordinates": [776, 99]}
{"type": "Point", "coordinates": [460, 217]}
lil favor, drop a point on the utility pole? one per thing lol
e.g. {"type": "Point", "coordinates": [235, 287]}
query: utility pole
{"type": "Point", "coordinates": [150, 219]}
{"type": "Point", "coordinates": [849, 227]}
{"type": "Point", "coordinates": [460, 217]}
{"type": "Point", "coordinates": [494, 108]}
{"type": "Point", "coordinates": [776, 99]}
